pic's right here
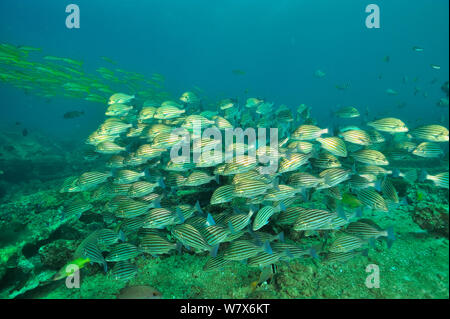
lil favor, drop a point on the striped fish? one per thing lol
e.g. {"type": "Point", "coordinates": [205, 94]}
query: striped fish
{"type": "Point", "coordinates": [428, 150]}
{"type": "Point", "coordinates": [359, 137]}
{"type": "Point", "coordinates": [92, 178]}
{"type": "Point", "coordinates": [123, 270]}
{"type": "Point", "coordinates": [108, 237]}
{"type": "Point", "coordinates": [263, 259]}
{"type": "Point", "coordinates": [165, 140]}
{"type": "Point", "coordinates": [115, 161]}
{"type": "Point", "coordinates": [326, 160]}
{"type": "Point", "coordinates": [333, 257]}
{"type": "Point", "coordinates": [367, 229]}
{"type": "Point", "coordinates": [333, 192]}
{"type": "Point", "coordinates": [292, 162]}
{"type": "Point", "coordinates": [198, 178]}
{"type": "Point", "coordinates": [303, 180]}
{"type": "Point", "coordinates": [159, 218]}
{"type": "Point", "coordinates": [345, 243]}
{"type": "Point", "coordinates": [313, 219]}
{"type": "Point", "coordinates": [241, 249]}
{"type": "Point", "coordinates": [238, 222]}
{"type": "Point", "coordinates": [96, 138]}
{"type": "Point", "coordinates": [389, 191]}
{"type": "Point", "coordinates": [370, 198]}
{"type": "Point", "coordinates": [156, 245]}
{"type": "Point", "coordinates": [376, 137]}
{"type": "Point", "coordinates": [129, 208]}
{"type": "Point", "coordinates": [240, 164]}
{"type": "Point", "coordinates": [216, 263]}
{"type": "Point", "coordinates": [308, 132]}
{"type": "Point", "coordinates": [113, 126]}
{"type": "Point", "coordinates": [136, 131]}
{"type": "Point", "coordinates": [292, 251]}
{"type": "Point", "coordinates": [188, 210]}
{"type": "Point", "coordinates": [389, 124]}
{"type": "Point", "coordinates": [131, 225]}
{"type": "Point", "coordinates": [126, 176]}
{"type": "Point", "coordinates": [174, 180]}
{"type": "Point", "coordinates": [119, 189]}
{"type": "Point", "coordinates": [121, 252]}
{"type": "Point", "coordinates": [334, 176]}
{"type": "Point", "coordinates": [249, 188]}
{"type": "Point", "coordinates": [75, 208]}
{"type": "Point", "coordinates": [109, 148]}
{"type": "Point", "coordinates": [372, 170]}
{"type": "Point", "coordinates": [370, 157]}
{"type": "Point", "coordinates": [146, 113]}
{"type": "Point", "coordinates": [89, 249]}
{"type": "Point", "coordinates": [222, 194]}
{"type": "Point", "coordinates": [334, 145]}
{"type": "Point", "coordinates": [431, 133]}
{"type": "Point", "coordinates": [222, 123]}
{"type": "Point", "coordinates": [440, 180]}
{"type": "Point", "coordinates": [262, 217]}
{"type": "Point", "coordinates": [215, 234]}
{"type": "Point", "coordinates": [283, 192]}
{"type": "Point", "coordinates": [358, 182]}
{"type": "Point", "coordinates": [167, 112]}
{"type": "Point", "coordinates": [190, 237]}
{"type": "Point", "coordinates": [141, 188]}
{"type": "Point", "coordinates": [157, 129]}
{"type": "Point", "coordinates": [290, 215]}
{"type": "Point", "coordinates": [247, 175]}
{"type": "Point", "coordinates": [300, 146]}
{"type": "Point", "coordinates": [147, 151]}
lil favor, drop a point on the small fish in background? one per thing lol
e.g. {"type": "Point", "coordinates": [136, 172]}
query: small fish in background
{"type": "Point", "coordinates": [319, 74]}
{"type": "Point", "coordinates": [238, 72]}
{"type": "Point", "coordinates": [391, 92]}
{"type": "Point", "coordinates": [342, 87]}
{"type": "Point", "coordinates": [417, 49]}
{"type": "Point", "coordinates": [346, 112]}
{"type": "Point", "coordinates": [443, 102]}
{"type": "Point", "coordinates": [73, 114]}
{"type": "Point", "coordinates": [24, 132]}
{"type": "Point", "coordinates": [435, 66]}
{"type": "Point", "coordinates": [387, 58]}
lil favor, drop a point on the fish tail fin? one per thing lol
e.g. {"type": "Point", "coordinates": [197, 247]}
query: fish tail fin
{"type": "Point", "coordinates": [213, 250]}
{"type": "Point", "coordinates": [161, 183]}
{"type": "Point", "coordinates": [313, 253]}
{"type": "Point", "coordinates": [210, 220]}
{"type": "Point", "coordinates": [267, 247]}
{"type": "Point", "coordinates": [390, 236]}
{"type": "Point", "coordinates": [180, 215]}
{"type": "Point", "coordinates": [121, 236]}
{"type": "Point", "coordinates": [157, 203]}
{"type": "Point", "coordinates": [411, 176]}
{"type": "Point", "coordinates": [198, 207]}
{"type": "Point", "coordinates": [423, 175]}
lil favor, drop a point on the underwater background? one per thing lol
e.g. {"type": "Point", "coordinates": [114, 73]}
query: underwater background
{"type": "Point", "coordinates": [314, 53]}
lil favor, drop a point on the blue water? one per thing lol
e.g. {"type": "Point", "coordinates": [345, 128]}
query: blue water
{"type": "Point", "coordinates": [279, 45]}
